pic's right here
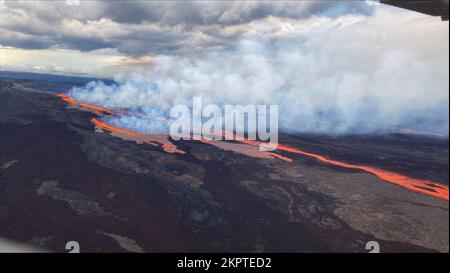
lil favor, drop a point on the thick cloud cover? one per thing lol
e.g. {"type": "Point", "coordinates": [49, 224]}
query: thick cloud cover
{"type": "Point", "coordinates": [350, 74]}
{"type": "Point", "coordinates": [144, 27]}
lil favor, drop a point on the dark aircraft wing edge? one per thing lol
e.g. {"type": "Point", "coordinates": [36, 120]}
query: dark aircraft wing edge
{"type": "Point", "coordinates": [430, 7]}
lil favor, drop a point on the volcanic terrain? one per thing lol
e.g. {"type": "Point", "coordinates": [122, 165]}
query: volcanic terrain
{"type": "Point", "coordinates": [67, 176]}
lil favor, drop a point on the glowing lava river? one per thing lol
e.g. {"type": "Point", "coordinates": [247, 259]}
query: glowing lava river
{"type": "Point", "coordinates": [430, 188]}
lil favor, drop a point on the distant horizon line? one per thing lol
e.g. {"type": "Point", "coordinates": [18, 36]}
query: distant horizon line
{"type": "Point", "coordinates": [61, 74]}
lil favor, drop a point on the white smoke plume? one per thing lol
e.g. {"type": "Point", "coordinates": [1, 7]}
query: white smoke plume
{"type": "Point", "coordinates": [353, 74]}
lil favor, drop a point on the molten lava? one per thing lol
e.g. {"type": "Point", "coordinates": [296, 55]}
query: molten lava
{"type": "Point", "coordinates": [245, 149]}
{"type": "Point", "coordinates": [113, 129]}
{"type": "Point", "coordinates": [422, 186]}
{"type": "Point", "coordinates": [72, 101]}
{"type": "Point", "coordinates": [158, 140]}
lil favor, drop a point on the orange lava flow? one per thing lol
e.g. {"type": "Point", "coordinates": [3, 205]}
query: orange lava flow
{"type": "Point", "coordinates": [287, 159]}
{"type": "Point", "coordinates": [110, 128]}
{"type": "Point", "coordinates": [430, 188]}
{"type": "Point", "coordinates": [70, 100]}
{"type": "Point", "coordinates": [423, 186]}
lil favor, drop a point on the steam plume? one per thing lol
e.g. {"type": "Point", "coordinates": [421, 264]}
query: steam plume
{"type": "Point", "coordinates": [351, 75]}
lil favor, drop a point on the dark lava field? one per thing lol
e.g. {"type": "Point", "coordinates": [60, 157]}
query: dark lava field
{"type": "Point", "coordinates": [61, 180]}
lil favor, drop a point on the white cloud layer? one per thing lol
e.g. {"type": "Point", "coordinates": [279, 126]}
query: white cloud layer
{"type": "Point", "coordinates": [351, 74]}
